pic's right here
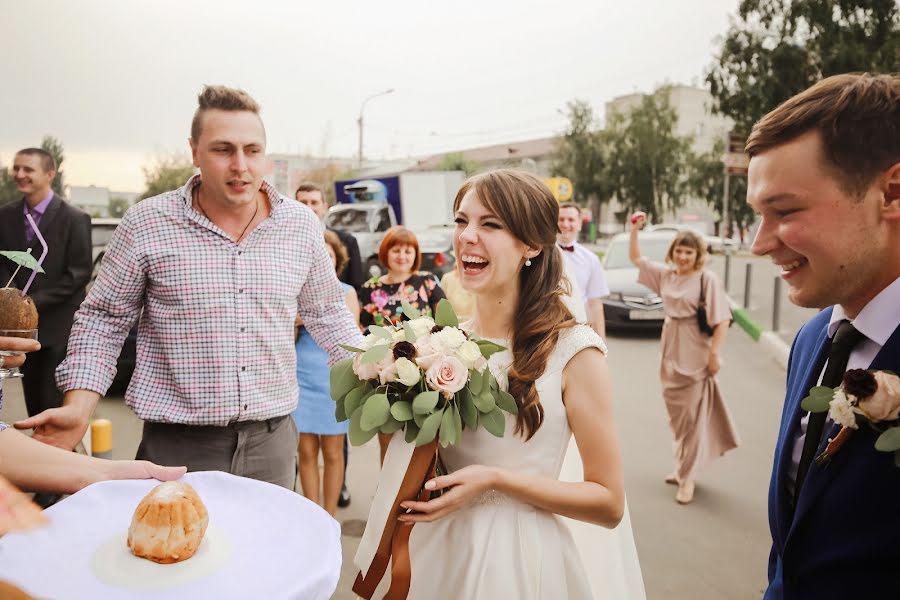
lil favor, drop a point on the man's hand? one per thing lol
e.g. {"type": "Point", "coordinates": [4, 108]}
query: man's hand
{"type": "Point", "coordinates": [62, 427]}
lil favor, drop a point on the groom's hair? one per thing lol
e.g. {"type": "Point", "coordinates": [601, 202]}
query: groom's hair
{"type": "Point", "coordinates": [858, 118]}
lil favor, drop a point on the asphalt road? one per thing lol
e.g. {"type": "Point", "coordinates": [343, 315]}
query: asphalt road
{"type": "Point", "coordinates": [714, 548]}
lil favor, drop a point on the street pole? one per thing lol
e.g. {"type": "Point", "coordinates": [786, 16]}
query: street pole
{"type": "Point", "coordinates": [359, 122]}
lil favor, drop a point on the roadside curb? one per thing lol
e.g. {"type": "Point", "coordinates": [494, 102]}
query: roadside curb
{"type": "Point", "coordinates": [771, 344]}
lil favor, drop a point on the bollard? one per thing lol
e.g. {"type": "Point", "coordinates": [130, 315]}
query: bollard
{"type": "Point", "coordinates": [776, 306]}
{"type": "Point", "coordinates": [748, 278]}
{"type": "Point", "coordinates": [101, 438]}
{"type": "Point", "coordinates": [727, 270]}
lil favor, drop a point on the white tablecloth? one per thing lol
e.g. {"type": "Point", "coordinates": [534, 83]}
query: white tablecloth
{"type": "Point", "coordinates": [263, 541]}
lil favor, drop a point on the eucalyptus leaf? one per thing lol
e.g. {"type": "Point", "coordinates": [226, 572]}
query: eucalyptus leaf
{"type": "Point", "coordinates": [495, 387]}
{"type": "Point", "coordinates": [340, 414]}
{"type": "Point", "coordinates": [425, 402]}
{"type": "Point", "coordinates": [402, 410]}
{"type": "Point", "coordinates": [468, 410]}
{"type": "Point", "coordinates": [354, 399]}
{"type": "Point", "coordinates": [818, 400]}
{"type": "Point", "coordinates": [485, 402]}
{"type": "Point", "coordinates": [419, 419]}
{"type": "Point", "coordinates": [391, 425]}
{"type": "Point", "coordinates": [409, 332]}
{"type": "Point", "coordinates": [448, 430]}
{"type": "Point", "coordinates": [444, 314]}
{"type": "Point", "coordinates": [889, 441]}
{"type": "Point", "coordinates": [489, 348]}
{"type": "Point", "coordinates": [412, 430]}
{"type": "Point", "coordinates": [358, 436]}
{"type": "Point", "coordinates": [457, 424]}
{"type": "Point", "coordinates": [429, 428]}
{"type": "Point", "coordinates": [476, 382]}
{"type": "Point", "coordinates": [409, 310]}
{"type": "Point", "coordinates": [506, 402]}
{"type": "Point", "coordinates": [375, 354]}
{"type": "Point", "coordinates": [351, 348]}
{"type": "Point", "coordinates": [375, 411]}
{"type": "Point", "coordinates": [343, 379]}
{"type": "Point", "coordinates": [494, 422]}
{"type": "Point", "coordinates": [381, 332]}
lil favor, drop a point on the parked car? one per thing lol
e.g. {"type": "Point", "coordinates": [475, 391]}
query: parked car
{"type": "Point", "coordinates": [631, 305]}
{"type": "Point", "coordinates": [715, 243]}
{"type": "Point", "coordinates": [101, 232]}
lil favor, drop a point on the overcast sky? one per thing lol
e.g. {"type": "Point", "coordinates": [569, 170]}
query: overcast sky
{"type": "Point", "coordinates": [117, 81]}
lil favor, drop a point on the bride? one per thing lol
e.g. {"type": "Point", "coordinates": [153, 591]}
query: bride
{"type": "Point", "coordinates": [498, 528]}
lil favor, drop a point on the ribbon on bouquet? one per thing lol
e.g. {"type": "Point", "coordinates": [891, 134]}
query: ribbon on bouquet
{"type": "Point", "coordinates": [405, 471]}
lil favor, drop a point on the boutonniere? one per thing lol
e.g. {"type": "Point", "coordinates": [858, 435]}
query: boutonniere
{"type": "Point", "coordinates": [864, 397]}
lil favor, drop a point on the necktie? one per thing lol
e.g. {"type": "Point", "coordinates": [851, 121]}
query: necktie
{"type": "Point", "coordinates": [845, 339]}
{"type": "Point", "coordinates": [567, 248]}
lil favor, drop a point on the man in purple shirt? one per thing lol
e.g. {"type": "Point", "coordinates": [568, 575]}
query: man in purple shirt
{"type": "Point", "coordinates": [58, 292]}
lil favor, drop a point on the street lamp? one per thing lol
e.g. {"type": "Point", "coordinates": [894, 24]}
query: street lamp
{"type": "Point", "coordinates": [360, 122]}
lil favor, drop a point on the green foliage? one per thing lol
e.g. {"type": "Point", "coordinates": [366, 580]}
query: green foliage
{"type": "Point", "coordinates": [166, 174]}
{"type": "Point", "coordinates": [445, 315]}
{"type": "Point", "coordinates": [775, 49]}
{"type": "Point", "coordinates": [818, 400]}
{"type": "Point", "coordinates": [581, 154]}
{"type": "Point", "coordinates": [706, 180]}
{"type": "Point", "coordinates": [648, 162]}
{"type": "Point", "coordinates": [456, 161]}
{"type": "Point", "coordinates": [118, 206]}
{"type": "Point", "coordinates": [889, 441]}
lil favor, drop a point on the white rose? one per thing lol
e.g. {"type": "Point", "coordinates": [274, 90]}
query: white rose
{"type": "Point", "coordinates": [407, 372]}
{"type": "Point", "coordinates": [841, 410]}
{"type": "Point", "coordinates": [469, 353]}
{"type": "Point", "coordinates": [422, 326]}
{"type": "Point", "coordinates": [365, 372]}
{"type": "Point", "coordinates": [398, 335]}
{"type": "Point", "coordinates": [447, 375]}
{"type": "Point", "coordinates": [370, 341]}
{"type": "Point", "coordinates": [447, 340]}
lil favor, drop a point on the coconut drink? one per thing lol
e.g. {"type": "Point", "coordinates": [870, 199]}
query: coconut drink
{"type": "Point", "coordinates": [18, 314]}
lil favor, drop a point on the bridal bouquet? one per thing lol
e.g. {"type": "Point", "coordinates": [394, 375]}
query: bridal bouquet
{"type": "Point", "coordinates": [871, 397]}
{"type": "Point", "coordinates": [426, 377]}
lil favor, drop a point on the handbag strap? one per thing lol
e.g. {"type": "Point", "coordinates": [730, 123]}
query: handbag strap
{"type": "Point", "coordinates": [702, 289]}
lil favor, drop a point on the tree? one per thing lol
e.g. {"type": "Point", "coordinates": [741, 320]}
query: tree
{"type": "Point", "coordinates": [118, 206]}
{"type": "Point", "coordinates": [581, 155]}
{"type": "Point", "coordinates": [706, 181]}
{"type": "Point", "coordinates": [777, 48]}
{"type": "Point", "coordinates": [647, 165]}
{"type": "Point", "coordinates": [167, 173]}
{"type": "Point", "coordinates": [456, 161]}
{"type": "Point", "coordinates": [55, 148]}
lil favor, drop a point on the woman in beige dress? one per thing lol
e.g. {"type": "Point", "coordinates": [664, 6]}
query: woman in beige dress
{"type": "Point", "coordinates": [701, 424]}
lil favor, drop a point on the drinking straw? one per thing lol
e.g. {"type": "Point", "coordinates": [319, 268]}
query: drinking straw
{"type": "Point", "coordinates": [43, 242]}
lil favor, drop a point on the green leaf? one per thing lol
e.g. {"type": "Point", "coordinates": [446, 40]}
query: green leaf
{"type": "Point", "coordinates": [358, 436]}
{"type": "Point", "coordinates": [429, 428]}
{"type": "Point", "coordinates": [506, 402]}
{"type": "Point", "coordinates": [391, 425]}
{"type": "Point", "coordinates": [409, 332]}
{"type": "Point", "coordinates": [412, 430]}
{"type": "Point", "coordinates": [489, 348]}
{"type": "Point", "coordinates": [425, 402]}
{"type": "Point", "coordinates": [444, 315]}
{"type": "Point", "coordinates": [889, 441]}
{"type": "Point", "coordinates": [343, 379]}
{"type": "Point", "coordinates": [381, 332]}
{"type": "Point", "coordinates": [375, 354]}
{"type": "Point", "coordinates": [469, 412]}
{"type": "Point", "coordinates": [409, 310]}
{"type": "Point", "coordinates": [24, 259]}
{"type": "Point", "coordinates": [485, 402]}
{"type": "Point", "coordinates": [375, 412]}
{"type": "Point", "coordinates": [457, 424]}
{"type": "Point", "coordinates": [448, 429]}
{"type": "Point", "coordinates": [495, 387]}
{"type": "Point", "coordinates": [402, 410]}
{"type": "Point", "coordinates": [476, 382]}
{"type": "Point", "coordinates": [351, 348]}
{"type": "Point", "coordinates": [340, 414]}
{"type": "Point", "coordinates": [494, 422]}
{"type": "Point", "coordinates": [419, 419]}
{"type": "Point", "coordinates": [355, 398]}
{"type": "Point", "coordinates": [818, 400]}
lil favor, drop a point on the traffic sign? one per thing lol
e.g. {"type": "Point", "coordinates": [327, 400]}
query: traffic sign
{"type": "Point", "coordinates": [561, 187]}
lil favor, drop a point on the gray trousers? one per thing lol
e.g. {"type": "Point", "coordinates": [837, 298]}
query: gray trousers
{"type": "Point", "coordinates": [264, 450]}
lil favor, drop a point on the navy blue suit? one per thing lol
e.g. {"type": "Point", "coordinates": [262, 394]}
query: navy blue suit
{"type": "Point", "coordinates": [843, 539]}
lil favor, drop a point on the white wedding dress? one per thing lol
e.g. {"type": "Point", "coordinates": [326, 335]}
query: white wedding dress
{"type": "Point", "coordinates": [499, 547]}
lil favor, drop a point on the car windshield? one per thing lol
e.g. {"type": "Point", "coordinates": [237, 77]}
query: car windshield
{"type": "Point", "coordinates": [617, 253]}
{"type": "Point", "coordinates": [354, 221]}
{"type": "Point", "coordinates": [435, 240]}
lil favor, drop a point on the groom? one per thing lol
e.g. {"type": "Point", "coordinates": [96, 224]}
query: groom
{"type": "Point", "coordinates": [825, 179]}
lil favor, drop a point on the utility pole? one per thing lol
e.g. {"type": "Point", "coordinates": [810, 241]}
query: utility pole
{"type": "Point", "coordinates": [359, 122]}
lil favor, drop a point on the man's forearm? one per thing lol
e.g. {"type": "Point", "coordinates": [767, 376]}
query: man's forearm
{"type": "Point", "coordinates": [84, 400]}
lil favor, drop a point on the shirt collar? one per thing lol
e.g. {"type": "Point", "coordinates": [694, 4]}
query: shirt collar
{"type": "Point", "coordinates": [275, 199]}
{"type": "Point", "coordinates": [41, 207]}
{"type": "Point", "coordinates": [878, 319]}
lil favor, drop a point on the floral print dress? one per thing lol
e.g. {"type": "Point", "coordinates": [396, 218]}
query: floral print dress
{"type": "Point", "coordinates": [382, 302]}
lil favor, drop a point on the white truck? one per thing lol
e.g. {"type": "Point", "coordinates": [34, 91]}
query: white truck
{"type": "Point", "coordinates": [422, 201]}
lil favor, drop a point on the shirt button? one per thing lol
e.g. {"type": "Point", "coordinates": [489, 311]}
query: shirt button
{"type": "Point", "coordinates": [245, 407]}
{"type": "Point", "coordinates": [243, 368]}
{"type": "Point", "coordinates": [241, 291]}
{"type": "Point", "coordinates": [243, 329]}
{"type": "Point", "coordinates": [240, 252]}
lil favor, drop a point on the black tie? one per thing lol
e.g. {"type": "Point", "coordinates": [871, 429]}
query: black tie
{"type": "Point", "coordinates": [845, 339]}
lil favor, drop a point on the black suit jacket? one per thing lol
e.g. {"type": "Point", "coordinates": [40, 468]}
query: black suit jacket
{"type": "Point", "coordinates": [353, 274]}
{"type": "Point", "coordinates": [58, 292]}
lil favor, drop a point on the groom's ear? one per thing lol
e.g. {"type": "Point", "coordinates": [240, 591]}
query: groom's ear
{"type": "Point", "coordinates": [890, 208]}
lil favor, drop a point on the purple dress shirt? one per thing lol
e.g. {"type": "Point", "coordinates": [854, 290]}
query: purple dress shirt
{"type": "Point", "coordinates": [36, 213]}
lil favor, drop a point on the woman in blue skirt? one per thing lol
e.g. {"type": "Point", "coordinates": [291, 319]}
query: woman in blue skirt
{"type": "Point", "coordinates": [314, 415]}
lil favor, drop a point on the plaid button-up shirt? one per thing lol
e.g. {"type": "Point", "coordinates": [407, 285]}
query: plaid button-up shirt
{"type": "Point", "coordinates": [215, 339]}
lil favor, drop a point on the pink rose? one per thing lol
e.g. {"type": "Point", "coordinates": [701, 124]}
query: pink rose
{"type": "Point", "coordinates": [884, 404]}
{"type": "Point", "coordinates": [370, 371]}
{"type": "Point", "coordinates": [447, 375]}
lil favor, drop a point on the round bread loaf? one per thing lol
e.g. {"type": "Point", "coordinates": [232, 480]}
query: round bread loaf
{"type": "Point", "coordinates": [169, 523]}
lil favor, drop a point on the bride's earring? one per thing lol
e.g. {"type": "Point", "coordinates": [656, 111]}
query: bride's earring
{"type": "Point", "coordinates": [528, 263]}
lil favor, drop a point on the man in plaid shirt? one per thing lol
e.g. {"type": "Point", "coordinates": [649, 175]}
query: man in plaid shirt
{"type": "Point", "coordinates": [217, 270]}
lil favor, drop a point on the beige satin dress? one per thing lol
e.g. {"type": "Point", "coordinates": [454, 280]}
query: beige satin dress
{"type": "Point", "coordinates": [701, 424]}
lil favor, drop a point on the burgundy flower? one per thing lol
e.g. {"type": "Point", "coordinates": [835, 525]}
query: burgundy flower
{"type": "Point", "coordinates": [436, 328]}
{"type": "Point", "coordinates": [860, 383]}
{"type": "Point", "coordinates": [404, 350]}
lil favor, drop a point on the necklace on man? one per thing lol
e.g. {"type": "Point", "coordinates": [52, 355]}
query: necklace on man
{"type": "Point", "coordinates": [196, 196]}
